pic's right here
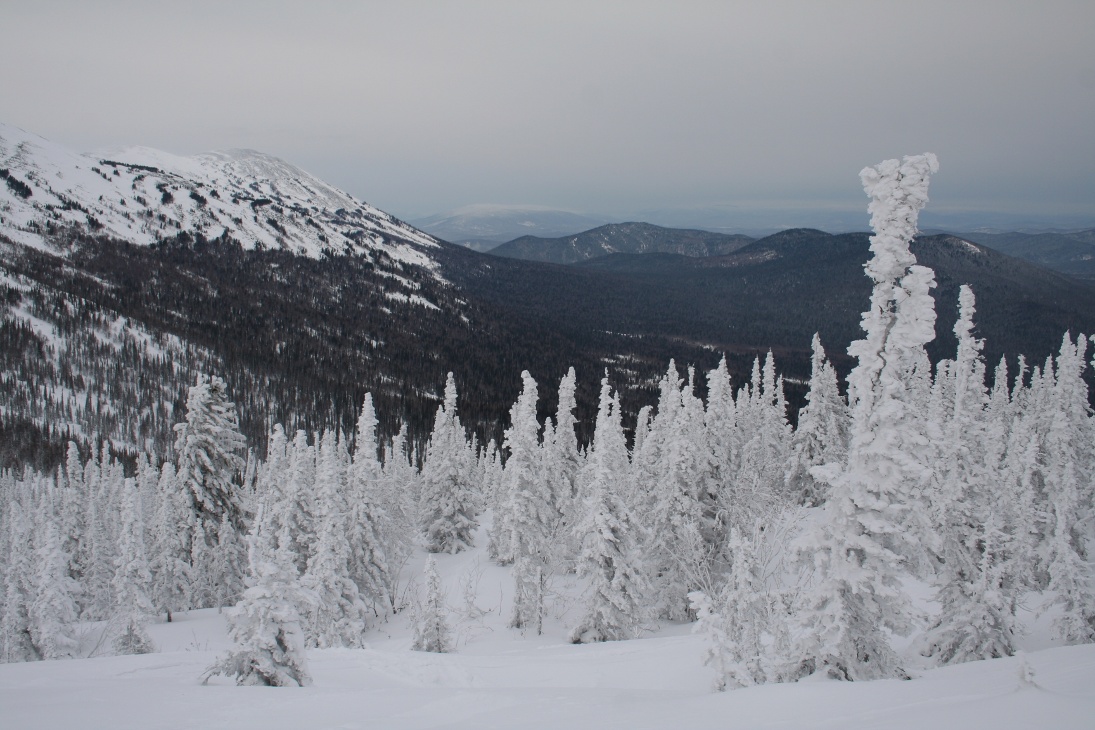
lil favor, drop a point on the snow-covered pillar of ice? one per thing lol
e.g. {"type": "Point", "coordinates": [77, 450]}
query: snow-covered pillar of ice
{"type": "Point", "coordinates": [898, 191]}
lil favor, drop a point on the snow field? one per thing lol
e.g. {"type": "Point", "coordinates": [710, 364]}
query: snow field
{"type": "Point", "coordinates": [499, 678]}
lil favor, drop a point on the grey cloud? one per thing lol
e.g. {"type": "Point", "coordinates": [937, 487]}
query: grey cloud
{"type": "Point", "coordinates": [598, 107]}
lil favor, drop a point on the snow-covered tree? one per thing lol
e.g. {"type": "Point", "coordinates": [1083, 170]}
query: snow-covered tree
{"type": "Point", "coordinates": [431, 627]}
{"type": "Point", "coordinates": [19, 589]}
{"type": "Point", "coordinates": [170, 563]}
{"type": "Point", "coordinates": [734, 620]}
{"type": "Point", "coordinates": [977, 607]}
{"type": "Point", "coordinates": [379, 528]}
{"type": "Point", "coordinates": [298, 490]}
{"type": "Point", "coordinates": [399, 500]}
{"type": "Point", "coordinates": [670, 474]}
{"type": "Point", "coordinates": [53, 611]}
{"type": "Point", "coordinates": [338, 615]}
{"type": "Point", "coordinates": [720, 421]}
{"type": "Point", "coordinates": [766, 440]}
{"type": "Point", "coordinates": [1071, 488]}
{"type": "Point", "coordinates": [132, 579]}
{"type": "Point", "coordinates": [616, 600]}
{"type": "Point", "coordinates": [265, 626]}
{"type": "Point", "coordinates": [447, 511]}
{"type": "Point", "coordinates": [822, 433]}
{"type": "Point", "coordinates": [856, 595]}
{"type": "Point", "coordinates": [227, 565]}
{"type": "Point", "coordinates": [532, 515]}
{"type": "Point", "coordinates": [148, 480]}
{"type": "Point", "coordinates": [103, 479]}
{"type": "Point", "coordinates": [209, 444]}
{"type": "Point", "coordinates": [561, 459]}
{"type": "Point", "coordinates": [74, 505]}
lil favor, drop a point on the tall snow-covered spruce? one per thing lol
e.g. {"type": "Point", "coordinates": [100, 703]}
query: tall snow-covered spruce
{"type": "Point", "coordinates": [616, 600]}
{"type": "Point", "coordinates": [448, 502]}
{"type": "Point", "coordinates": [132, 579]}
{"type": "Point", "coordinates": [377, 531]}
{"type": "Point", "coordinates": [977, 616]}
{"type": "Point", "coordinates": [530, 508]}
{"type": "Point", "coordinates": [856, 597]}
{"type": "Point", "coordinates": [338, 615]}
{"type": "Point", "coordinates": [209, 444]}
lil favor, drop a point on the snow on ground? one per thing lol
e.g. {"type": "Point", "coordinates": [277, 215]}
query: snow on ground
{"type": "Point", "coordinates": [500, 679]}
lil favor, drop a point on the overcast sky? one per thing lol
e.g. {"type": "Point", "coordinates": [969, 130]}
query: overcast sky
{"type": "Point", "coordinates": [597, 107]}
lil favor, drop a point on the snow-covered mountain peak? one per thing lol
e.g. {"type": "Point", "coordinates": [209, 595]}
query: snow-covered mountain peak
{"type": "Point", "coordinates": [144, 195]}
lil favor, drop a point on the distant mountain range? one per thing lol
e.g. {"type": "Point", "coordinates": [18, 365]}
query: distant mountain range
{"type": "Point", "coordinates": [780, 289]}
{"type": "Point", "coordinates": [637, 238]}
{"type": "Point", "coordinates": [1070, 252]}
{"type": "Point", "coordinates": [482, 227]}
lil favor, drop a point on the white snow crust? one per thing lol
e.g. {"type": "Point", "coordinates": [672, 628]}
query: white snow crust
{"type": "Point", "coordinates": [499, 678]}
{"type": "Point", "coordinates": [143, 195]}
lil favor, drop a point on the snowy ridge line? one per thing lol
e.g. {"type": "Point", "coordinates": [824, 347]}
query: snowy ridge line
{"type": "Point", "coordinates": [142, 196]}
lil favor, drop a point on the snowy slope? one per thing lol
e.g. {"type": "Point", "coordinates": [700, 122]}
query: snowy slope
{"type": "Point", "coordinates": [499, 678]}
{"type": "Point", "coordinates": [142, 195]}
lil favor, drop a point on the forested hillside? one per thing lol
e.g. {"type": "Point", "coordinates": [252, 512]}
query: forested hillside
{"type": "Point", "coordinates": [620, 238]}
{"type": "Point", "coordinates": [1071, 252]}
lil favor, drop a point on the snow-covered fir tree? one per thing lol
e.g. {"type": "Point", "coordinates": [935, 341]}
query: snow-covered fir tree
{"type": "Point", "coordinates": [616, 602]}
{"type": "Point", "coordinates": [228, 565]}
{"type": "Point", "coordinates": [561, 458]}
{"type": "Point", "coordinates": [399, 498]}
{"type": "Point", "coordinates": [755, 488]}
{"type": "Point", "coordinates": [977, 615]}
{"type": "Point", "coordinates": [378, 527]}
{"type": "Point", "coordinates": [100, 540]}
{"type": "Point", "coordinates": [74, 505]}
{"type": "Point", "coordinates": [1071, 489]}
{"type": "Point", "coordinates": [736, 619]}
{"type": "Point", "coordinates": [53, 611]}
{"type": "Point", "coordinates": [668, 474]}
{"type": "Point", "coordinates": [767, 442]}
{"type": "Point", "coordinates": [338, 615]}
{"type": "Point", "coordinates": [856, 596]}
{"type": "Point", "coordinates": [431, 626]}
{"type": "Point", "coordinates": [531, 515]}
{"type": "Point", "coordinates": [170, 563]}
{"type": "Point", "coordinates": [266, 627]}
{"type": "Point", "coordinates": [19, 589]}
{"type": "Point", "coordinates": [822, 433]}
{"type": "Point", "coordinates": [298, 489]}
{"type": "Point", "coordinates": [209, 444]}
{"type": "Point", "coordinates": [132, 578]}
{"type": "Point", "coordinates": [448, 502]}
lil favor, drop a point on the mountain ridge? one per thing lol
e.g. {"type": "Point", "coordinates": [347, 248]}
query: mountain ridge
{"type": "Point", "coordinates": [483, 226]}
{"type": "Point", "coordinates": [143, 195]}
{"type": "Point", "coordinates": [631, 237]}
